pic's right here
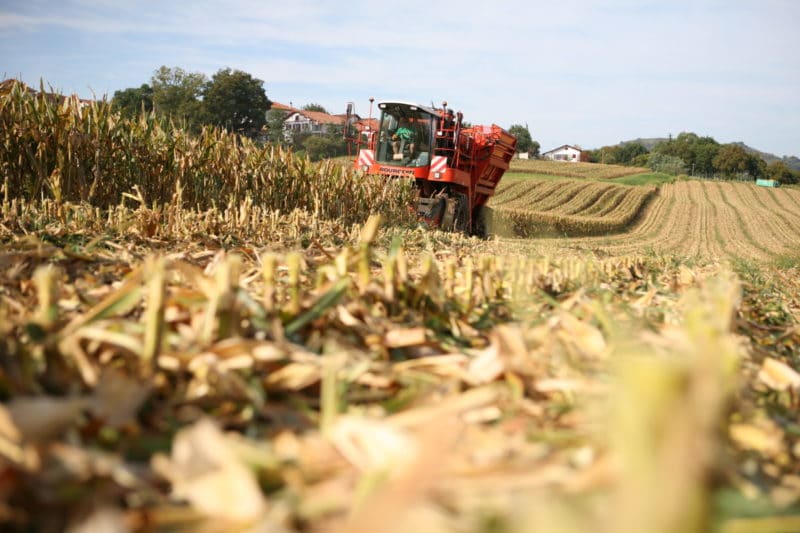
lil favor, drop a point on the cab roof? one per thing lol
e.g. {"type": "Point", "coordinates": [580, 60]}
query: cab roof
{"type": "Point", "coordinates": [426, 109]}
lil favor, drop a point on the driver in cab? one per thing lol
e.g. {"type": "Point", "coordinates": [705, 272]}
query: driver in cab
{"type": "Point", "coordinates": [402, 135]}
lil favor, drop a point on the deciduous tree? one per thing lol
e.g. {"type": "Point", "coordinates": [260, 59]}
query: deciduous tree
{"type": "Point", "coordinates": [177, 94]}
{"type": "Point", "coordinates": [777, 170]}
{"type": "Point", "coordinates": [732, 159]}
{"type": "Point", "coordinates": [697, 152]}
{"type": "Point", "coordinates": [275, 131]}
{"type": "Point", "coordinates": [236, 101]}
{"type": "Point", "coordinates": [133, 101]}
{"type": "Point", "coordinates": [314, 107]}
{"type": "Point", "coordinates": [535, 150]}
{"type": "Point", "coordinates": [523, 135]}
{"type": "Point", "coordinates": [668, 164]}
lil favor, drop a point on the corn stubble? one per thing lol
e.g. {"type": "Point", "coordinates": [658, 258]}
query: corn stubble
{"type": "Point", "coordinates": [189, 366]}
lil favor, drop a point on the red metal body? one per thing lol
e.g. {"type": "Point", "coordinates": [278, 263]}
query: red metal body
{"type": "Point", "coordinates": [456, 169]}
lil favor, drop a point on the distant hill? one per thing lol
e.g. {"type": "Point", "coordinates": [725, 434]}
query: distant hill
{"type": "Point", "coordinates": [792, 161]}
{"type": "Point", "coordinates": [648, 143]}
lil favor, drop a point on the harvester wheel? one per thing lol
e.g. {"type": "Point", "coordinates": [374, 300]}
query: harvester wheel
{"type": "Point", "coordinates": [479, 222]}
{"type": "Point", "coordinates": [449, 217]}
{"type": "Point", "coordinates": [461, 219]}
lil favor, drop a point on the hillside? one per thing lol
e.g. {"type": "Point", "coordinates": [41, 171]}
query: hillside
{"type": "Point", "coordinates": [792, 161]}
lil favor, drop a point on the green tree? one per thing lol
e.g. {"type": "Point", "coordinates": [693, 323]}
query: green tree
{"type": "Point", "coordinates": [641, 160]}
{"type": "Point", "coordinates": [331, 144]}
{"type": "Point", "coordinates": [777, 170]}
{"type": "Point", "coordinates": [275, 132]}
{"type": "Point", "coordinates": [523, 135]}
{"type": "Point", "coordinates": [236, 101]}
{"type": "Point", "coordinates": [177, 94]}
{"type": "Point", "coordinates": [320, 147]}
{"type": "Point", "coordinates": [535, 150]}
{"type": "Point", "coordinates": [704, 158]}
{"type": "Point", "coordinates": [668, 164]}
{"type": "Point", "coordinates": [606, 155]}
{"type": "Point", "coordinates": [733, 159]}
{"type": "Point", "coordinates": [314, 107]}
{"type": "Point", "coordinates": [626, 153]}
{"type": "Point", "coordinates": [697, 152]}
{"type": "Point", "coordinates": [132, 101]}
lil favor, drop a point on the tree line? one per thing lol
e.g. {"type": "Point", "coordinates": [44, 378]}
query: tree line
{"type": "Point", "coordinates": [692, 154]}
{"type": "Point", "coordinates": [230, 99]}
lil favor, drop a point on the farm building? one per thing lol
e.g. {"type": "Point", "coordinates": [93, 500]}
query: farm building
{"type": "Point", "coordinates": [7, 85]}
{"type": "Point", "coordinates": [566, 153]}
{"type": "Point", "coordinates": [310, 121]}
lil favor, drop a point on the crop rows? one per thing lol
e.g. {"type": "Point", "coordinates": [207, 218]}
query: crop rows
{"type": "Point", "coordinates": [565, 207]}
{"type": "Point", "coordinates": [712, 220]}
{"type": "Point", "coordinates": [574, 170]}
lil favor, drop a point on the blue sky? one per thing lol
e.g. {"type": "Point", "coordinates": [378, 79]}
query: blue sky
{"type": "Point", "coordinates": [576, 71]}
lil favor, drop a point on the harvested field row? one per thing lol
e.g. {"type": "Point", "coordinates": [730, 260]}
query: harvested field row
{"type": "Point", "coordinates": [709, 220]}
{"type": "Point", "coordinates": [574, 170]}
{"type": "Point", "coordinates": [524, 190]}
{"type": "Point", "coordinates": [565, 208]}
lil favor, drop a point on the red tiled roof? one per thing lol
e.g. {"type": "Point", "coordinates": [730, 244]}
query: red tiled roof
{"type": "Point", "coordinates": [371, 122]}
{"type": "Point", "coordinates": [282, 107]}
{"type": "Point", "coordinates": [321, 118]}
{"type": "Point", "coordinates": [6, 85]}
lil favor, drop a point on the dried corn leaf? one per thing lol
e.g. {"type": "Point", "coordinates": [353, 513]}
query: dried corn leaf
{"type": "Point", "coordinates": [778, 375]}
{"type": "Point", "coordinates": [204, 470]}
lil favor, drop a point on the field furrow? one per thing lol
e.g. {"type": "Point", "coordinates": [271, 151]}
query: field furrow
{"type": "Point", "coordinates": [582, 203]}
{"type": "Point", "coordinates": [610, 203]}
{"type": "Point", "coordinates": [510, 190]}
{"type": "Point", "coordinates": [777, 202]}
{"type": "Point", "coordinates": [561, 197]}
{"type": "Point", "coordinates": [794, 196]}
{"type": "Point", "coordinates": [689, 218]}
{"type": "Point", "coordinates": [752, 247]}
{"type": "Point", "coordinates": [764, 225]}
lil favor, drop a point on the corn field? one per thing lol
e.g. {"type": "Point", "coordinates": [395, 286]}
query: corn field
{"type": "Point", "coordinates": [180, 359]}
{"type": "Point", "coordinates": [70, 151]}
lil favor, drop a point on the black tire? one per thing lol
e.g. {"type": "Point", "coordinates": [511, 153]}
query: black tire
{"type": "Point", "coordinates": [461, 221]}
{"type": "Point", "coordinates": [479, 222]}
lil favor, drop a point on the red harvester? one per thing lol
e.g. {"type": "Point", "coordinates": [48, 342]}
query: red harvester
{"type": "Point", "coordinates": [455, 169]}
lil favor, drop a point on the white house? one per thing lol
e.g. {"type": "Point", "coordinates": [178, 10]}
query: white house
{"type": "Point", "coordinates": [566, 153]}
{"type": "Point", "coordinates": [310, 121]}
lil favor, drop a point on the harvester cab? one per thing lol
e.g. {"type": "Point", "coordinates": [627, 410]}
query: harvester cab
{"type": "Point", "coordinates": [455, 169]}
